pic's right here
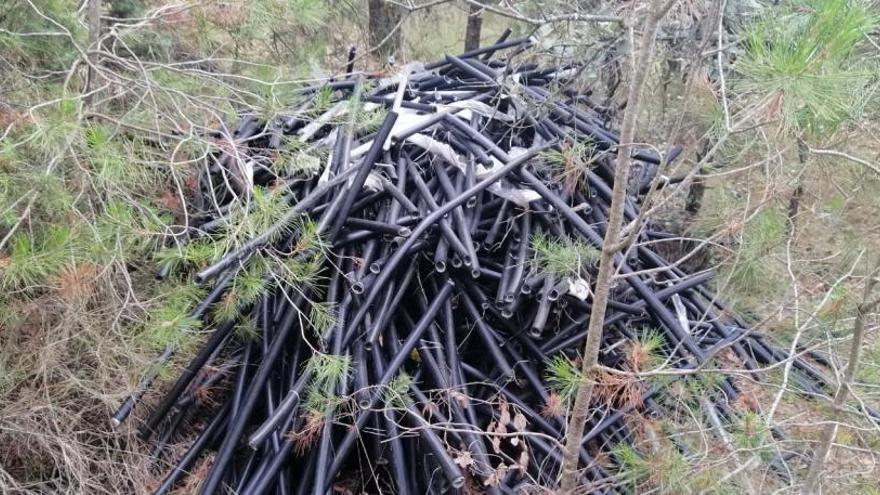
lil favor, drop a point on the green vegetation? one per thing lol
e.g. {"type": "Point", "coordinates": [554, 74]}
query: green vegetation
{"type": "Point", "coordinates": [396, 394]}
{"type": "Point", "coordinates": [93, 191]}
{"type": "Point", "coordinates": [563, 377]}
{"type": "Point", "coordinates": [327, 371]}
{"type": "Point", "coordinates": [31, 262]}
{"type": "Point", "coordinates": [170, 323]}
{"type": "Point", "coordinates": [668, 472]}
{"type": "Point", "coordinates": [805, 66]}
{"type": "Point", "coordinates": [562, 257]}
{"type": "Point", "coordinates": [762, 233]}
{"type": "Point", "coordinates": [246, 288]}
{"type": "Point", "coordinates": [571, 163]}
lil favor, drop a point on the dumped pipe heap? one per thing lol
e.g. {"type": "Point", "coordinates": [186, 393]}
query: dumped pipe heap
{"type": "Point", "coordinates": [428, 238]}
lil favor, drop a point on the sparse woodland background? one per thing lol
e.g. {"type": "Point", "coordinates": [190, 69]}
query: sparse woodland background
{"type": "Point", "coordinates": [104, 109]}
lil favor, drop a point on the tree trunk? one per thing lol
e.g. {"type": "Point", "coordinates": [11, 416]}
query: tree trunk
{"type": "Point", "coordinates": [611, 77]}
{"type": "Point", "coordinates": [384, 20]}
{"type": "Point", "coordinates": [474, 26]}
{"type": "Point", "coordinates": [694, 72]}
{"type": "Point", "coordinates": [867, 305]}
{"type": "Point", "coordinates": [94, 21]}
{"type": "Point", "coordinates": [671, 71]}
{"type": "Point", "coordinates": [694, 201]}
{"type": "Point", "coordinates": [794, 202]}
{"type": "Point", "coordinates": [124, 9]}
{"type": "Point", "coordinates": [581, 409]}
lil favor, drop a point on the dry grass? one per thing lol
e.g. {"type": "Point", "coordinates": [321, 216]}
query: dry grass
{"type": "Point", "coordinates": [65, 362]}
{"type": "Point", "coordinates": [72, 347]}
{"type": "Point", "coordinates": [75, 342]}
{"type": "Point", "coordinates": [837, 220]}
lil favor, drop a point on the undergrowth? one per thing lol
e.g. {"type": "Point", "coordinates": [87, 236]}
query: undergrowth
{"type": "Point", "coordinates": [91, 193]}
{"type": "Point", "coordinates": [90, 190]}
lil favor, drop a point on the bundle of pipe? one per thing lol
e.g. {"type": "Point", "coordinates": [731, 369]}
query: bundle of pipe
{"type": "Point", "coordinates": [444, 323]}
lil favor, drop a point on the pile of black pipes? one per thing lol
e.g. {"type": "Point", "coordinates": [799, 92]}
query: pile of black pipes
{"type": "Point", "coordinates": [419, 238]}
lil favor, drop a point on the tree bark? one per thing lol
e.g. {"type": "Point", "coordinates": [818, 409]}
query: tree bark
{"type": "Point", "coordinates": [794, 202]}
{"type": "Point", "coordinates": [94, 21]}
{"type": "Point", "coordinates": [124, 9]}
{"type": "Point", "coordinates": [473, 29]}
{"type": "Point", "coordinates": [697, 190]}
{"type": "Point", "coordinates": [569, 481]}
{"type": "Point", "coordinates": [865, 307]}
{"type": "Point", "coordinates": [693, 73]}
{"type": "Point", "coordinates": [384, 29]}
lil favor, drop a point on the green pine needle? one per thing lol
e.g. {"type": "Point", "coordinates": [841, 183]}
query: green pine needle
{"type": "Point", "coordinates": [329, 368]}
{"type": "Point", "coordinates": [171, 325]}
{"type": "Point", "coordinates": [303, 273]}
{"type": "Point", "coordinates": [397, 392]}
{"type": "Point", "coordinates": [309, 239]}
{"type": "Point", "coordinates": [295, 160]}
{"type": "Point", "coordinates": [197, 254]}
{"type": "Point", "coordinates": [562, 256]}
{"type": "Point", "coordinates": [804, 63]}
{"type": "Point", "coordinates": [265, 209]}
{"type": "Point", "coordinates": [570, 163]}
{"type": "Point", "coordinates": [651, 340]}
{"type": "Point", "coordinates": [328, 371]}
{"type": "Point", "coordinates": [31, 263]}
{"type": "Point", "coordinates": [564, 377]}
{"type": "Point", "coordinates": [324, 99]}
{"type": "Point", "coordinates": [631, 466]}
{"type": "Point", "coordinates": [246, 288]}
{"type": "Point", "coordinates": [761, 235]}
{"type": "Point", "coordinates": [322, 316]}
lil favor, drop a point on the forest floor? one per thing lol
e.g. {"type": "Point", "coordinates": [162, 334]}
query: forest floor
{"type": "Point", "coordinates": [75, 341]}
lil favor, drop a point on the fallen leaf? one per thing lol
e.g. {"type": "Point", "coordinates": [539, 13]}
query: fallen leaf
{"type": "Point", "coordinates": [497, 476]}
{"type": "Point", "coordinates": [520, 422]}
{"type": "Point", "coordinates": [523, 462]}
{"type": "Point", "coordinates": [505, 416]}
{"type": "Point", "coordinates": [462, 399]}
{"type": "Point", "coordinates": [464, 459]}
